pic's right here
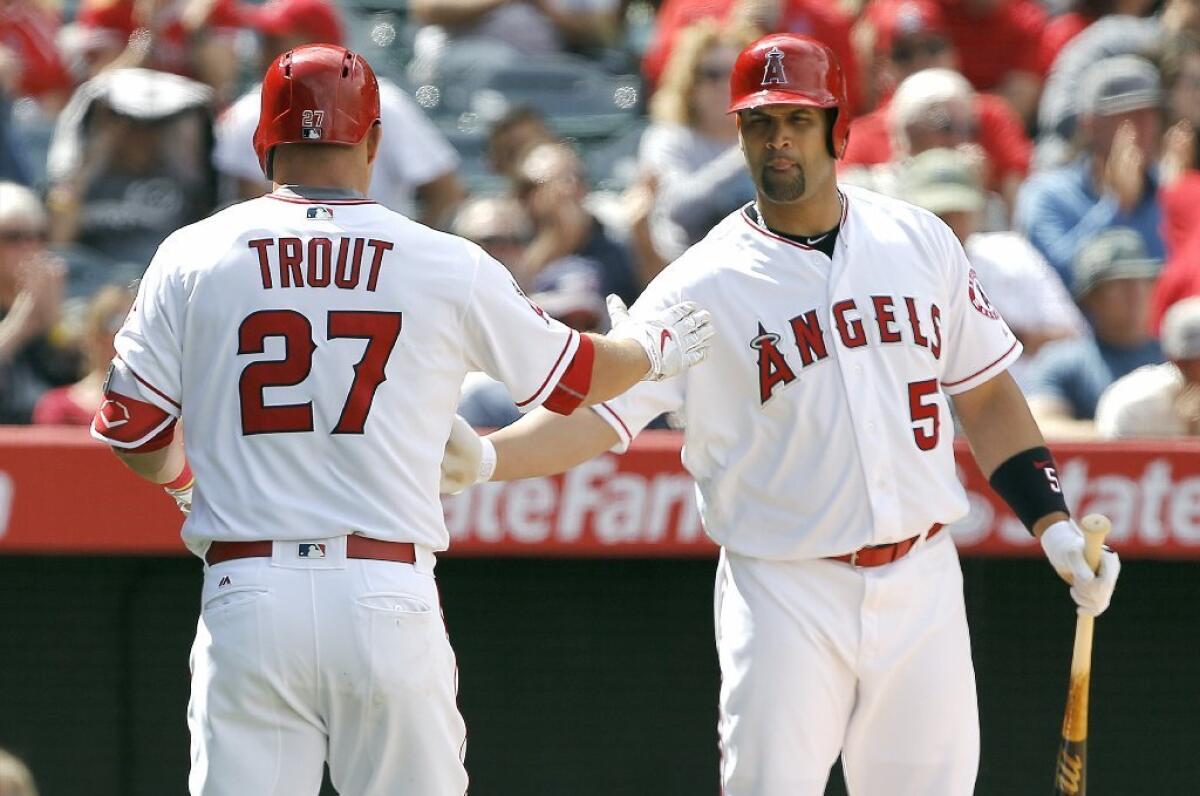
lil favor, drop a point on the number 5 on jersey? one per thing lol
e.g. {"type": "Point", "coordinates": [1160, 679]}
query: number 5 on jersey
{"type": "Point", "coordinates": [379, 329]}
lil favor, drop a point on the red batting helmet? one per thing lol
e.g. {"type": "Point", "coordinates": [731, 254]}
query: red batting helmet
{"type": "Point", "coordinates": [788, 69]}
{"type": "Point", "coordinates": [316, 94]}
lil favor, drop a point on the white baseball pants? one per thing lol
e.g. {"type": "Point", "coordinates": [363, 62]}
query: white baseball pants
{"type": "Point", "coordinates": [299, 660]}
{"type": "Point", "coordinates": [818, 657]}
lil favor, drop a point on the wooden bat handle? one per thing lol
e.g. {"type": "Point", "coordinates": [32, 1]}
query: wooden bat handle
{"type": "Point", "coordinates": [1070, 777]}
{"type": "Point", "coordinates": [1095, 527]}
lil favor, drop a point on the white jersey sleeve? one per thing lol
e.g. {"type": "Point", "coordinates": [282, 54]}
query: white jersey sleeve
{"type": "Point", "coordinates": [979, 344]}
{"type": "Point", "coordinates": [631, 411]}
{"type": "Point", "coordinates": [513, 340]}
{"type": "Point", "coordinates": [233, 147]}
{"type": "Point", "coordinates": [149, 342]}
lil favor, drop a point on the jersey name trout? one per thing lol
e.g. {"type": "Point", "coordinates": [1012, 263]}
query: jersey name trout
{"type": "Point", "coordinates": [894, 321]}
{"type": "Point", "coordinates": [319, 262]}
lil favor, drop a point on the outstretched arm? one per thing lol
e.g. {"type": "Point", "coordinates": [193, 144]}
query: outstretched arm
{"type": "Point", "coordinates": [541, 443]}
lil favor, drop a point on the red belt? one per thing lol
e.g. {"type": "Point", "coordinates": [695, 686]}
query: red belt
{"type": "Point", "coordinates": [356, 547]}
{"type": "Point", "coordinates": [878, 555]}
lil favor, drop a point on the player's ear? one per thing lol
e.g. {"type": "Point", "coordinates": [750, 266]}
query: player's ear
{"type": "Point", "coordinates": [374, 137]}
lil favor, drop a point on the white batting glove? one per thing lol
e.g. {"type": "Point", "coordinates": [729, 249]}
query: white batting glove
{"type": "Point", "coordinates": [469, 458]}
{"type": "Point", "coordinates": [674, 340]}
{"type": "Point", "coordinates": [1092, 591]}
{"type": "Point", "coordinates": [182, 496]}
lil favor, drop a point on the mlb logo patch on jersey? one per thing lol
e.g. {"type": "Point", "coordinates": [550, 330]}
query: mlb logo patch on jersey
{"type": "Point", "coordinates": [320, 213]}
{"type": "Point", "coordinates": [311, 550]}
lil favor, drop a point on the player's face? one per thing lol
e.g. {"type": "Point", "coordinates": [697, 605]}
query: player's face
{"type": "Point", "coordinates": [785, 150]}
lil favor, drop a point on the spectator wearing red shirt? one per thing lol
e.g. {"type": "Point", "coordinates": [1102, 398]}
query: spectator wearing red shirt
{"type": "Point", "coordinates": [1178, 174]}
{"type": "Point", "coordinates": [820, 19]}
{"type": "Point", "coordinates": [998, 44]}
{"type": "Point", "coordinates": [193, 38]}
{"type": "Point", "coordinates": [910, 36]}
{"type": "Point", "coordinates": [75, 404]}
{"type": "Point", "coordinates": [27, 40]}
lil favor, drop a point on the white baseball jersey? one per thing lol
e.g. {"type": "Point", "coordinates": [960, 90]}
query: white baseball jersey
{"type": "Point", "coordinates": [819, 423]}
{"type": "Point", "coordinates": [314, 351]}
{"type": "Point", "coordinates": [411, 154]}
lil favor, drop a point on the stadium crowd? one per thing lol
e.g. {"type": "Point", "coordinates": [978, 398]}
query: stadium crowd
{"type": "Point", "coordinates": [585, 145]}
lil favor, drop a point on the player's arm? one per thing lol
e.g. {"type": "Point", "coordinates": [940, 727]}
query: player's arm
{"type": "Point", "coordinates": [540, 443]}
{"type": "Point", "coordinates": [1010, 451]}
{"type": "Point", "coordinates": [143, 435]}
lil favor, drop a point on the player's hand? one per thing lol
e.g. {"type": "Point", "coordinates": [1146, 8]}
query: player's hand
{"type": "Point", "coordinates": [468, 459]}
{"type": "Point", "coordinates": [182, 496]}
{"type": "Point", "coordinates": [1092, 591]}
{"type": "Point", "coordinates": [674, 340]}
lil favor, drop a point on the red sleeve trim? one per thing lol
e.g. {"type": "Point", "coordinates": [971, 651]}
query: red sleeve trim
{"type": "Point", "coordinates": [130, 423]}
{"type": "Point", "coordinates": [154, 389]}
{"type": "Point", "coordinates": [617, 417]}
{"type": "Point", "coordinates": [184, 479]}
{"type": "Point", "coordinates": [576, 380]}
{"type": "Point", "coordinates": [159, 441]}
{"type": "Point", "coordinates": [549, 375]}
{"type": "Point", "coordinates": [984, 369]}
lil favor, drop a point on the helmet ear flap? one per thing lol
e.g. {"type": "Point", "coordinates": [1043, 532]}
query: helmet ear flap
{"type": "Point", "coordinates": [831, 116]}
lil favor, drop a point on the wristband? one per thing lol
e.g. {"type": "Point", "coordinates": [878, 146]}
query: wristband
{"type": "Point", "coordinates": [487, 460]}
{"type": "Point", "coordinates": [181, 481]}
{"type": "Point", "coordinates": [1028, 483]}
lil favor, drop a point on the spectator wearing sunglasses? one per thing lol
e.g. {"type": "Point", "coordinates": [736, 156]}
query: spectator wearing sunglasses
{"type": "Point", "coordinates": [911, 36]}
{"type": "Point", "coordinates": [76, 404]}
{"type": "Point", "coordinates": [553, 189]}
{"type": "Point", "coordinates": [692, 173]}
{"type": "Point", "coordinates": [31, 288]}
{"type": "Point", "coordinates": [937, 109]}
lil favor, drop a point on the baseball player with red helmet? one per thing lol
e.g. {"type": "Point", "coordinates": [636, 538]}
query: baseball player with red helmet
{"type": "Point", "coordinates": [313, 344]}
{"type": "Point", "coordinates": [820, 437]}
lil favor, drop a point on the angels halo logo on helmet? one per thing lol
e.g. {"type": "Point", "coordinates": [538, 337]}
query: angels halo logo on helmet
{"type": "Point", "coordinates": [790, 69]}
{"type": "Point", "coordinates": [316, 94]}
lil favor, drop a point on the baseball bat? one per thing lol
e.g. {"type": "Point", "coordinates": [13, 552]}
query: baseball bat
{"type": "Point", "coordinates": [1070, 776]}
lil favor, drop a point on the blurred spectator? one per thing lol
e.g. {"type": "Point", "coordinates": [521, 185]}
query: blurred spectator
{"type": "Point", "coordinates": [1179, 279]}
{"type": "Point", "coordinates": [692, 170]}
{"type": "Point", "coordinates": [498, 224]}
{"type": "Point", "coordinates": [31, 289]}
{"type": "Point", "coordinates": [76, 404]}
{"type": "Point", "coordinates": [997, 45]}
{"type": "Point", "coordinates": [1113, 181]}
{"type": "Point", "coordinates": [30, 65]}
{"type": "Point", "coordinates": [130, 163]}
{"type": "Point", "coordinates": [553, 190]}
{"type": "Point", "coordinates": [820, 19]}
{"type": "Point", "coordinates": [512, 136]}
{"type": "Point", "coordinates": [568, 291]}
{"type": "Point", "coordinates": [1020, 284]}
{"type": "Point", "coordinates": [194, 38]}
{"type": "Point", "coordinates": [15, 779]}
{"type": "Point", "coordinates": [1159, 400]}
{"type": "Point", "coordinates": [1113, 276]}
{"type": "Point", "coordinates": [1058, 110]}
{"type": "Point", "coordinates": [1180, 179]}
{"type": "Point", "coordinates": [521, 27]}
{"type": "Point", "coordinates": [910, 38]}
{"type": "Point", "coordinates": [14, 167]}
{"type": "Point", "coordinates": [415, 172]}
{"type": "Point", "coordinates": [1064, 27]}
